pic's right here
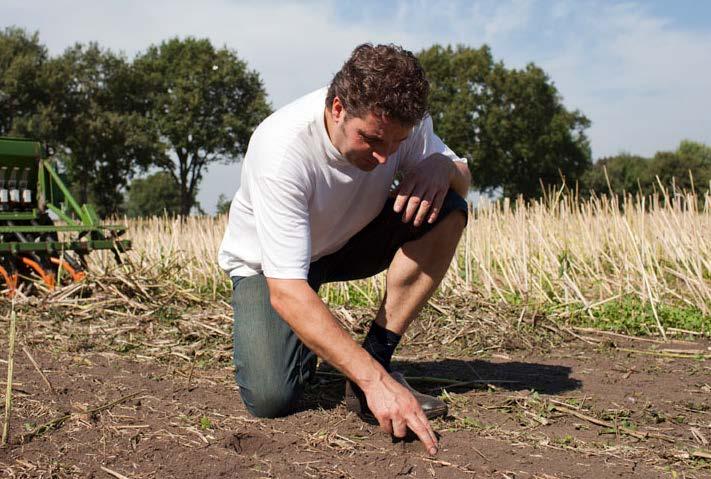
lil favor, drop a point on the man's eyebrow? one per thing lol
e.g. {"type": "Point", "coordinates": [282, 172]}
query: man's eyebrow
{"type": "Point", "coordinates": [377, 138]}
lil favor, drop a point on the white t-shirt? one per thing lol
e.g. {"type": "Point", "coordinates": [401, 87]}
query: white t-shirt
{"type": "Point", "coordinates": [299, 199]}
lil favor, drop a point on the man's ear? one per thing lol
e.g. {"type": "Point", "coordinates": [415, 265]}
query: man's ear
{"type": "Point", "coordinates": [338, 112]}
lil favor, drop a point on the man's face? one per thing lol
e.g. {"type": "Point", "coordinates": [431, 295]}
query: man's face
{"type": "Point", "coordinates": [367, 142]}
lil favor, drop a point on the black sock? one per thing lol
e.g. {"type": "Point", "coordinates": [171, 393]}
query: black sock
{"type": "Point", "coordinates": [381, 344]}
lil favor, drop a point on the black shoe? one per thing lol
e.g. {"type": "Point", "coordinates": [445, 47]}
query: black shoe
{"type": "Point", "coordinates": [355, 401]}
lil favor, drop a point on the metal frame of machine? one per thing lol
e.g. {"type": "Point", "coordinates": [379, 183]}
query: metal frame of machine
{"type": "Point", "coordinates": [30, 189]}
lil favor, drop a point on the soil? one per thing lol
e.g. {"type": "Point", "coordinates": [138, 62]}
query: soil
{"type": "Point", "coordinates": [532, 415]}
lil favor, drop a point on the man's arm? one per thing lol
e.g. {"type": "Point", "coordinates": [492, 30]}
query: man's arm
{"type": "Point", "coordinates": [395, 407]}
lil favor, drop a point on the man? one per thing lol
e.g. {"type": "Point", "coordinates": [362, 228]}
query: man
{"type": "Point", "coordinates": [314, 206]}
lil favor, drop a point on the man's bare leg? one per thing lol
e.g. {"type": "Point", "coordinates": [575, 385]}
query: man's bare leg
{"type": "Point", "coordinates": [416, 271]}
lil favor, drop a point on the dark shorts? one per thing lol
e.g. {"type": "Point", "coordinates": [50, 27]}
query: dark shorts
{"type": "Point", "coordinates": [372, 249]}
{"type": "Point", "coordinates": [271, 362]}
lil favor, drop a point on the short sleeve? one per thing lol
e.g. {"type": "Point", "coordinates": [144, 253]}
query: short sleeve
{"type": "Point", "coordinates": [282, 222]}
{"type": "Point", "coordinates": [424, 143]}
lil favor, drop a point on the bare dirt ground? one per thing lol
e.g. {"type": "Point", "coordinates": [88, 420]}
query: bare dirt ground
{"type": "Point", "coordinates": [148, 392]}
{"type": "Point", "coordinates": [162, 421]}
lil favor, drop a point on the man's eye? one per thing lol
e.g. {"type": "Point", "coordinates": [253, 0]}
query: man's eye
{"type": "Point", "coordinates": [368, 139]}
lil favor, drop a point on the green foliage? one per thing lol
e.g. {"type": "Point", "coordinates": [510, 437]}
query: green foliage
{"type": "Point", "coordinates": [630, 315]}
{"type": "Point", "coordinates": [223, 204]}
{"type": "Point", "coordinates": [471, 423]}
{"type": "Point", "coordinates": [690, 160]}
{"type": "Point", "coordinates": [635, 174]}
{"type": "Point", "coordinates": [566, 440]}
{"type": "Point", "coordinates": [86, 104]}
{"type": "Point", "coordinates": [625, 173]}
{"type": "Point", "coordinates": [205, 104]}
{"type": "Point", "coordinates": [184, 104]}
{"type": "Point", "coordinates": [205, 423]}
{"type": "Point", "coordinates": [510, 124]}
{"type": "Point", "coordinates": [101, 125]}
{"type": "Point", "coordinates": [153, 195]}
{"type": "Point", "coordinates": [22, 58]}
{"type": "Point", "coordinates": [109, 119]}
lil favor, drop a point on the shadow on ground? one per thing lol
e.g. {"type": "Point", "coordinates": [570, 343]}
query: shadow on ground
{"type": "Point", "coordinates": [327, 391]}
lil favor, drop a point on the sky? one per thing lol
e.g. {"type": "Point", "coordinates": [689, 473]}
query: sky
{"type": "Point", "coordinates": [640, 71]}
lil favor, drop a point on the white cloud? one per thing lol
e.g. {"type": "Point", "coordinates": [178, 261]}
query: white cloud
{"type": "Point", "coordinates": [642, 81]}
{"type": "Point", "coordinates": [508, 18]}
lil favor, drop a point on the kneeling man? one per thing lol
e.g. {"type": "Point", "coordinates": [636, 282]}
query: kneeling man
{"type": "Point", "coordinates": [316, 204]}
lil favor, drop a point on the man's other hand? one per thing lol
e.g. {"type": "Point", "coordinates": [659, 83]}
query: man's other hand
{"type": "Point", "coordinates": [422, 191]}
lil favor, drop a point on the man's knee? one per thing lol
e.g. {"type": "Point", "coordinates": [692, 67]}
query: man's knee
{"type": "Point", "coordinates": [447, 230]}
{"type": "Point", "coordinates": [451, 224]}
{"type": "Point", "coordinates": [270, 402]}
{"type": "Point", "coordinates": [455, 221]}
{"type": "Point", "coordinates": [455, 206]}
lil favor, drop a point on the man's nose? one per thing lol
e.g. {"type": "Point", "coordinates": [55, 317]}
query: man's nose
{"type": "Point", "coordinates": [380, 156]}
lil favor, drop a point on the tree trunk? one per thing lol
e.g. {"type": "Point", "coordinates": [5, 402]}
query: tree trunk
{"type": "Point", "coordinates": [185, 200]}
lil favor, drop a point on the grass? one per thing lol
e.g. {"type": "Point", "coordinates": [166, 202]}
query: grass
{"type": "Point", "coordinates": [633, 316]}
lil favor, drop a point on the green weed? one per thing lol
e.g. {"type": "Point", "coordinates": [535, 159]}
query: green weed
{"type": "Point", "coordinates": [631, 315]}
{"type": "Point", "coordinates": [205, 423]}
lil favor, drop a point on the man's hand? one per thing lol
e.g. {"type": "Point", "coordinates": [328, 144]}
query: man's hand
{"type": "Point", "coordinates": [422, 191]}
{"type": "Point", "coordinates": [396, 409]}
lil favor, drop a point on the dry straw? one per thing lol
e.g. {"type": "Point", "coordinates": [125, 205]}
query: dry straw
{"type": "Point", "coordinates": [559, 250]}
{"type": "Point", "coordinates": [10, 367]}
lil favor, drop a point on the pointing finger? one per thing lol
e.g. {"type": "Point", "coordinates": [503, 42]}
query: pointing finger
{"type": "Point", "coordinates": [424, 433]}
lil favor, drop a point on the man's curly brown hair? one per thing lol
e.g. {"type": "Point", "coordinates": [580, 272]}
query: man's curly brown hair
{"type": "Point", "coordinates": [383, 79]}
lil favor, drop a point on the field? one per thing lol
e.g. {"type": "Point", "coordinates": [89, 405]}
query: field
{"type": "Point", "coordinates": [570, 338]}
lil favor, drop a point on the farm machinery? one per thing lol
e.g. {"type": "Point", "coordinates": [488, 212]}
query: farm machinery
{"type": "Point", "coordinates": [45, 234]}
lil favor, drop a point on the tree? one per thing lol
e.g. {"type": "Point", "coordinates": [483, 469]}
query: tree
{"type": "Point", "coordinates": [690, 160]}
{"type": "Point", "coordinates": [223, 204]}
{"type": "Point", "coordinates": [510, 124]}
{"type": "Point", "coordinates": [638, 175]}
{"type": "Point", "coordinates": [98, 117]}
{"type": "Point", "coordinates": [626, 174]}
{"type": "Point", "coordinates": [22, 58]}
{"type": "Point", "coordinates": [205, 103]}
{"type": "Point", "coordinates": [87, 105]}
{"type": "Point", "coordinates": [153, 195]}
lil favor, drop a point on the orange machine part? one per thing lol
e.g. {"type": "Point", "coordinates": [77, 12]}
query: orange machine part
{"type": "Point", "coordinates": [10, 281]}
{"type": "Point", "coordinates": [46, 277]}
{"type": "Point", "coordinates": [76, 275]}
